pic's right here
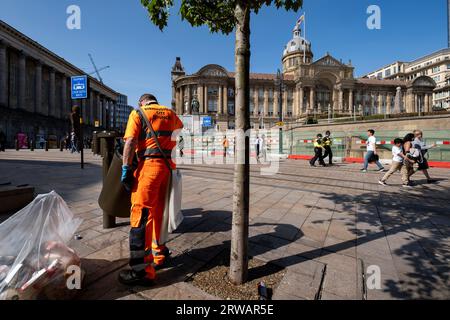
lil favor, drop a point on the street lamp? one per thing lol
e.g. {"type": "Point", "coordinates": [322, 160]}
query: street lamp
{"type": "Point", "coordinates": [279, 82]}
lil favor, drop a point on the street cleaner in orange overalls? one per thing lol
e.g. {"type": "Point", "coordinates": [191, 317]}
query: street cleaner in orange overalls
{"type": "Point", "coordinates": [148, 186]}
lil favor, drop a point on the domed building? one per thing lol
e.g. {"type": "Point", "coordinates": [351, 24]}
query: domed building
{"type": "Point", "coordinates": [296, 52]}
{"type": "Point", "coordinates": [326, 85]}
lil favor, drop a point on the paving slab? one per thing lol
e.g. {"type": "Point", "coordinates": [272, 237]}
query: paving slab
{"type": "Point", "coordinates": [320, 223]}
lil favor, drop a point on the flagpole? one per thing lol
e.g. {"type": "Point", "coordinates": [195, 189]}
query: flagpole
{"type": "Point", "coordinates": [304, 34]}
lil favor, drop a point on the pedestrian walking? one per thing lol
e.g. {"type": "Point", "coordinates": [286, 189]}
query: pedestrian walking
{"type": "Point", "coordinates": [372, 155]}
{"type": "Point", "coordinates": [148, 186]}
{"type": "Point", "coordinates": [318, 152]}
{"type": "Point", "coordinates": [73, 143]}
{"type": "Point", "coordinates": [67, 141]}
{"type": "Point", "coordinates": [327, 143]}
{"type": "Point", "coordinates": [42, 142]}
{"type": "Point", "coordinates": [258, 147]}
{"type": "Point", "coordinates": [2, 141]}
{"type": "Point", "coordinates": [181, 146]}
{"type": "Point", "coordinates": [412, 154]}
{"type": "Point", "coordinates": [225, 145]}
{"type": "Point", "coordinates": [264, 148]}
{"type": "Point", "coordinates": [398, 158]}
{"type": "Point", "coordinates": [418, 143]}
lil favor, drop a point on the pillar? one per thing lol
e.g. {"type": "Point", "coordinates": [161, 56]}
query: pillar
{"type": "Point", "coordinates": [3, 74]}
{"type": "Point", "coordinates": [404, 102]}
{"type": "Point", "coordinates": [63, 108]}
{"type": "Point", "coordinates": [266, 102]}
{"type": "Point", "coordinates": [389, 103]}
{"type": "Point", "coordinates": [276, 102]}
{"type": "Point", "coordinates": [350, 100]}
{"type": "Point", "coordinates": [430, 102]}
{"type": "Point", "coordinates": [225, 100]}
{"type": "Point", "coordinates": [205, 104]}
{"type": "Point", "coordinates": [200, 98]}
{"type": "Point", "coordinates": [333, 100]}
{"type": "Point", "coordinates": [256, 101]}
{"type": "Point", "coordinates": [94, 111]}
{"type": "Point", "coordinates": [102, 113]}
{"type": "Point", "coordinates": [38, 88]}
{"type": "Point", "coordinates": [220, 102]}
{"type": "Point", "coordinates": [181, 107]}
{"type": "Point", "coordinates": [182, 97]}
{"type": "Point", "coordinates": [285, 102]}
{"type": "Point", "coordinates": [301, 98]}
{"type": "Point", "coordinates": [114, 114]}
{"type": "Point", "coordinates": [341, 100]}
{"type": "Point", "coordinates": [409, 101]}
{"type": "Point", "coordinates": [380, 103]}
{"type": "Point", "coordinates": [176, 99]}
{"type": "Point", "coordinates": [311, 99]}
{"type": "Point", "coordinates": [295, 103]}
{"type": "Point", "coordinates": [22, 80]}
{"type": "Point", "coordinates": [189, 100]}
{"type": "Point", "coordinates": [52, 92]}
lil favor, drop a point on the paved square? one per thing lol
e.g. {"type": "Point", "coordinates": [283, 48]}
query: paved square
{"type": "Point", "coordinates": [327, 226]}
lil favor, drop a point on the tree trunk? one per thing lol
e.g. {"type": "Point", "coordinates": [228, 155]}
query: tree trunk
{"type": "Point", "coordinates": [241, 193]}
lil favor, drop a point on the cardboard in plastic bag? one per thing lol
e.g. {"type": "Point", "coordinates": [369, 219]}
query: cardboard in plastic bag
{"type": "Point", "coordinates": [173, 216]}
{"type": "Point", "coordinates": [34, 255]}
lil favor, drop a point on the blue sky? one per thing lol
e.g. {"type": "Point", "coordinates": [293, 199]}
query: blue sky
{"type": "Point", "coordinates": [120, 35]}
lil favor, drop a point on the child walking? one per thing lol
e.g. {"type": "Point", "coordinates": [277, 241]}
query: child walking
{"type": "Point", "coordinates": [398, 158]}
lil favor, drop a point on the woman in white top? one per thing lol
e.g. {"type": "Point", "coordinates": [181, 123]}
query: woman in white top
{"type": "Point", "coordinates": [418, 143]}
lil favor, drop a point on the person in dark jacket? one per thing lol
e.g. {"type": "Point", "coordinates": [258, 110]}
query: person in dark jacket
{"type": "Point", "coordinates": [327, 143]}
{"type": "Point", "coordinates": [2, 141]}
{"type": "Point", "coordinates": [318, 151]}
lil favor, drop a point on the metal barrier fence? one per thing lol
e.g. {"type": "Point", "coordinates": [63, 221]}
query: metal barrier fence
{"type": "Point", "coordinates": [346, 143]}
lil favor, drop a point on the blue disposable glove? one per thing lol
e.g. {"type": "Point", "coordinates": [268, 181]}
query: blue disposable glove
{"type": "Point", "coordinates": [127, 177]}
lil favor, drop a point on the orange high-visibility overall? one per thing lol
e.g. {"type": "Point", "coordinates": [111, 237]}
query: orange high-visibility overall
{"type": "Point", "coordinates": [150, 187]}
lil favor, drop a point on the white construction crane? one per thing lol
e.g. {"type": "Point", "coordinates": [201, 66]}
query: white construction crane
{"type": "Point", "coordinates": [97, 71]}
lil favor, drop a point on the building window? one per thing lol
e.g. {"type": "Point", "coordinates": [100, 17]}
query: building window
{"type": "Point", "coordinates": [212, 105]}
{"type": "Point", "coordinates": [290, 99]}
{"type": "Point", "coordinates": [231, 107]}
{"type": "Point", "coordinates": [380, 75]}
{"type": "Point", "coordinates": [436, 69]}
{"type": "Point", "coordinates": [388, 72]}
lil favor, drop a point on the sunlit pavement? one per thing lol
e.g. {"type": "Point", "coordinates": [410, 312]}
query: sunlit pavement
{"type": "Point", "coordinates": [330, 227]}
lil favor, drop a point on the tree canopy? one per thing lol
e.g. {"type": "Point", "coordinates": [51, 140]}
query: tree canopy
{"type": "Point", "coordinates": [218, 15]}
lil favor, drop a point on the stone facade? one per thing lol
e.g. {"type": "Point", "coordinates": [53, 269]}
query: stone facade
{"type": "Point", "coordinates": [324, 86]}
{"type": "Point", "coordinates": [435, 65]}
{"type": "Point", "coordinates": [35, 93]}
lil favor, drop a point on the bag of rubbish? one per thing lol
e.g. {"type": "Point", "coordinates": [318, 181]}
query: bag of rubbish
{"type": "Point", "coordinates": [35, 261]}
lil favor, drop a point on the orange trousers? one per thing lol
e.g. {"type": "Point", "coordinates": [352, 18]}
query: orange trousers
{"type": "Point", "coordinates": [147, 208]}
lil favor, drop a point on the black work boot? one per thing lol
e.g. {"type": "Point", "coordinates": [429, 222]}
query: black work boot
{"type": "Point", "coordinates": [131, 278]}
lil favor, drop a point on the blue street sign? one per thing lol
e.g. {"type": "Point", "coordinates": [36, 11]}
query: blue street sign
{"type": "Point", "coordinates": [79, 85]}
{"type": "Point", "coordinates": [207, 122]}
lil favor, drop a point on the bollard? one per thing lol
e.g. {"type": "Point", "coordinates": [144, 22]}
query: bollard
{"type": "Point", "coordinates": [32, 145]}
{"type": "Point", "coordinates": [16, 142]}
{"type": "Point", "coordinates": [46, 145]}
{"type": "Point", "coordinates": [106, 147]}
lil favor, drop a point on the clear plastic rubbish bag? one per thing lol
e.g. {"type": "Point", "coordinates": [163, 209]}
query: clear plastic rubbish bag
{"type": "Point", "coordinates": [34, 255]}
